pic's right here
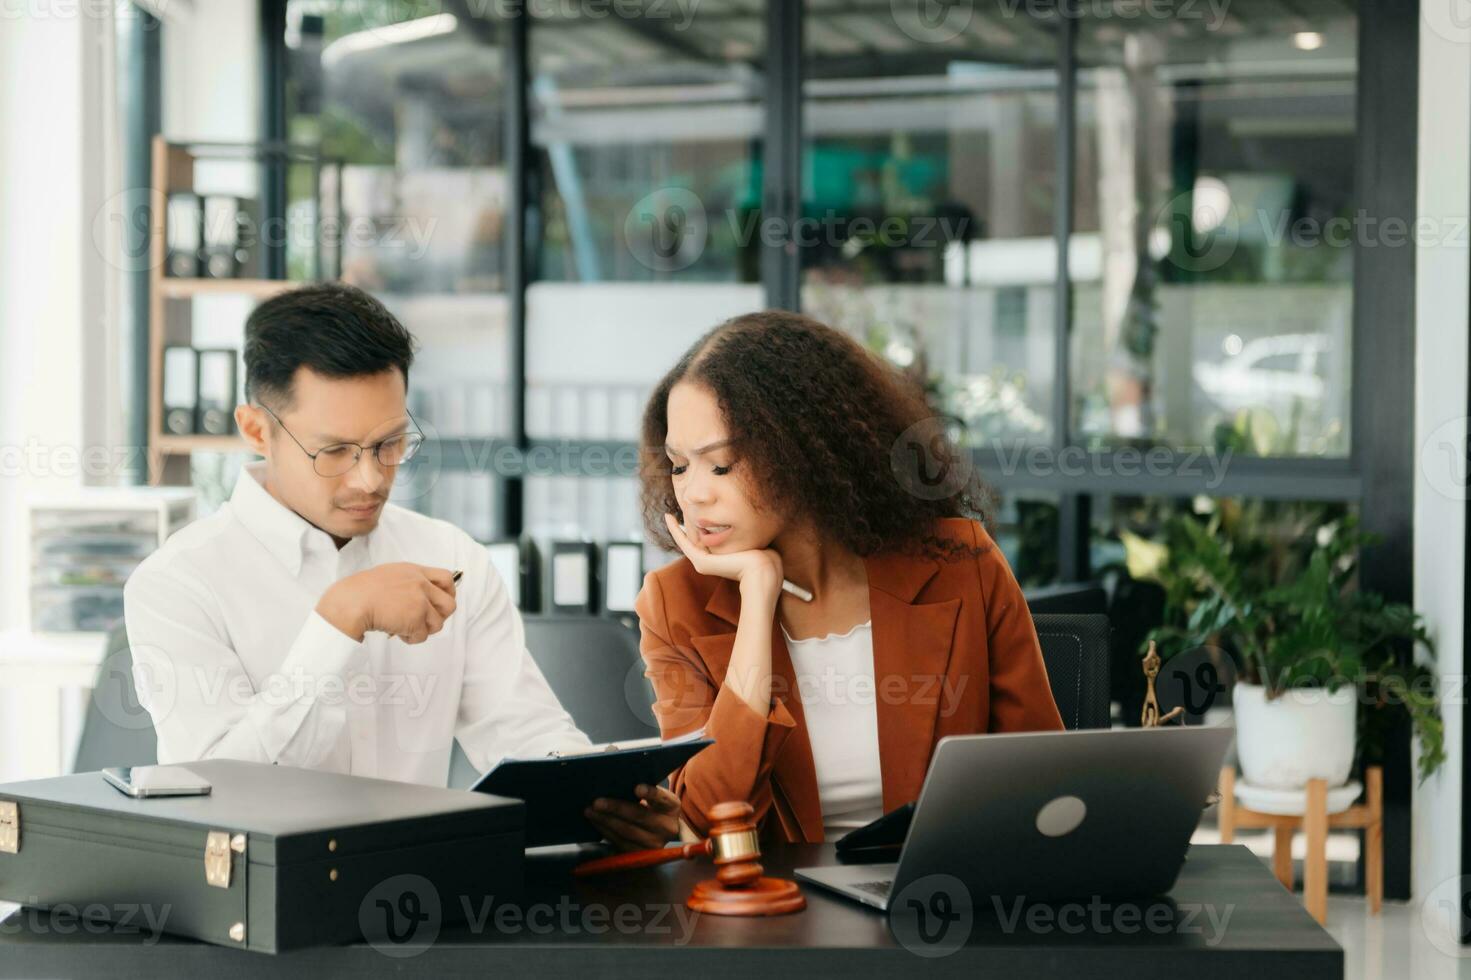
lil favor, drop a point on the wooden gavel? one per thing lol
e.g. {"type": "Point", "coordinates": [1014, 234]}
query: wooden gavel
{"type": "Point", "coordinates": [738, 887]}
{"type": "Point", "coordinates": [644, 859]}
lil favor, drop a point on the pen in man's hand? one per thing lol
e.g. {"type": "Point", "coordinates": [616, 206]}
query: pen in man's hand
{"type": "Point", "coordinates": [456, 578]}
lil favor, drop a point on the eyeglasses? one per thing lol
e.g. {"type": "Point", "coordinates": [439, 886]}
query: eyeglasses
{"type": "Point", "coordinates": [341, 457]}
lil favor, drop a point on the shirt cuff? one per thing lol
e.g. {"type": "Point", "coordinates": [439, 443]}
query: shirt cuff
{"type": "Point", "coordinates": [321, 649]}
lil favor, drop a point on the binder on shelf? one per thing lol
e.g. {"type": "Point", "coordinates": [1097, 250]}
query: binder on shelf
{"type": "Point", "coordinates": [505, 558]}
{"type": "Point", "coordinates": [222, 252]}
{"type": "Point", "coordinates": [223, 248]}
{"type": "Point", "coordinates": [531, 565]}
{"type": "Point", "coordinates": [217, 391]}
{"type": "Point", "coordinates": [574, 587]}
{"type": "Point", "coordinates": [180, 390]}
{"type": "Point", "coordinates": [623, 575]}
{"type": "Point", "coordinates": [183, 235]}
{"type": "Point", "coordinates": [519, 566]}
{"type": "Point", "coordinates": [249, 254]}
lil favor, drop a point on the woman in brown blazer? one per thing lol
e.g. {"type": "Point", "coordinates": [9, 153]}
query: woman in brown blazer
{"type": "Point", "coordinates": [776, 450]}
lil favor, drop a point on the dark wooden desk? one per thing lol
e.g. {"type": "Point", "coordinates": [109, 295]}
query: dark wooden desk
{"type": "Point", "coordinates": [1228, 918]}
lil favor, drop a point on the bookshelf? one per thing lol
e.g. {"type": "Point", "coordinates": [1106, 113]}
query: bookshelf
{"type": "Point", "coordinates": [169, 308]}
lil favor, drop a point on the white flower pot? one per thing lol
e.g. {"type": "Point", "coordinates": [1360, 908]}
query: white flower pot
{"type": "Point", "coordinates": [1303, 734]}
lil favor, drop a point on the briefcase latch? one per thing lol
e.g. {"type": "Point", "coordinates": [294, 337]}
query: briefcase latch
{"type": "Point", "coordinates": [9, 827]}
{"type": "Point", "coordinates": [219, 854]}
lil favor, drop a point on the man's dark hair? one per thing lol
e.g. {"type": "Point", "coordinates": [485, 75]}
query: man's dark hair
{"type": "Point", "coordinates": [338, 331]}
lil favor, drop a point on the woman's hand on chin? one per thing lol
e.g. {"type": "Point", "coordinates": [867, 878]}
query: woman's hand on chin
{"type": "Point", "coordinates": [756, 569]}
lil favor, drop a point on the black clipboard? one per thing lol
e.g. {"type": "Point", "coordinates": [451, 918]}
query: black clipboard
{"type": "Point", "coordinates": [558, 788]}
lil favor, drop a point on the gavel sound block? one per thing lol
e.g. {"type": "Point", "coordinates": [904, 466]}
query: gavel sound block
{"type": "Point", "coordinates": [738, 887]}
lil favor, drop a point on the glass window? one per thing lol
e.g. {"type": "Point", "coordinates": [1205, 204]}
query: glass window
{"type": "Point", "coordinates": [470, 501]}
{"type": "Point", "coordinates": [647, 138]}
{"type": "Point", "coordinates": [412, 100]}
{"type": "Point", "coordinates": [1025, 527]}
{"type": "Point", "coordinates": [1212, 257]}
{"type": "Point", "coordinates": [929, 179]}
{"type": "Point", "coordinates": [587, 508]}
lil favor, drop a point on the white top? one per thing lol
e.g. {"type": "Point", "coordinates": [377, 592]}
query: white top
{"type": "Point", "coordinates": [232, 661]}
{"type": "Point", "coordinates": [834, 675]}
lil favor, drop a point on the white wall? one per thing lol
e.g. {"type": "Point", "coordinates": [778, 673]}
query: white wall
{"type": "Point", "coordinates": [1443, 279]}
{"type": "Point", "coordinates": [54, 346]}
{"type": "Point", "coordinates": [52, 313]}
{"type": "Point", "coordinates": [211, 70]}
{"type": "Point", "coordinates": [61, 357]}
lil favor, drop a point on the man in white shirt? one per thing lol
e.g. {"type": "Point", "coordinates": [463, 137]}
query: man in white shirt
{"type": "Point", "coordinates": [311, 623]}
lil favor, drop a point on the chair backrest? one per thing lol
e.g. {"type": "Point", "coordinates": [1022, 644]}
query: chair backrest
{"type": "Point", "coordinates": [1075, 649]}
{"type": "Point", "coordinates": [1067, 597]}
{"type": "Point", "coordinates": [117, 730]}
{"type": "Point", "coordinates": [593, 666]}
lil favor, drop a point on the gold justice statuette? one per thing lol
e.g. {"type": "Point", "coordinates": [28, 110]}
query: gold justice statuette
{"type": "Point", "coordinates": [1150, 717]}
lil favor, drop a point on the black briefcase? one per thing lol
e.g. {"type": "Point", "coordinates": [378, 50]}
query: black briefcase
{"type": "Point", "coordinates": [275, 858]}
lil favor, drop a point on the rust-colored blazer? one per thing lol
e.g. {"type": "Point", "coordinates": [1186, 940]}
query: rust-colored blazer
{"type": "Point", "coordinates": [954, 652]}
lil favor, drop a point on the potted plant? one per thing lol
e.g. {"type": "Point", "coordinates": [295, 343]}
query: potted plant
{"type": "Point", "coordinates": [1322, 665]}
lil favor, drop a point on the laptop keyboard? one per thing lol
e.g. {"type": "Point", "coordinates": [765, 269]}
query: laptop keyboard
{"type": "Point", "coordinates": [879, 888]}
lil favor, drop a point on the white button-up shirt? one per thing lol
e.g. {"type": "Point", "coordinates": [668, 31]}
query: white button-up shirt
{"type": "Point", "coordinates": [232, 661]}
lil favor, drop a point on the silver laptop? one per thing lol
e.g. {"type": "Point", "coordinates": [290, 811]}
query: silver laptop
{"type": "Point", "coordinates": [1050, 815]}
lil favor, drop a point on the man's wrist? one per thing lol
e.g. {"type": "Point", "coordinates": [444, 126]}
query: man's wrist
{"type": "Point", "coordinates": [336, 611]}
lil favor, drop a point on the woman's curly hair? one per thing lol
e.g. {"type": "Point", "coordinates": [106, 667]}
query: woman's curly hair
{"type": "Point", "coordinates": [824, 431]}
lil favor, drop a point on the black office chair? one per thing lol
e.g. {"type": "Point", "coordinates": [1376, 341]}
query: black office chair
{"type": "Point", "coordinates": [1075, 649]}
{"type": "Point", "coordinates": [593, 666]}
{"type": "Point", "coordinates": [1075, 598]}
{"type": "Point", "coordinates": [117, 730]}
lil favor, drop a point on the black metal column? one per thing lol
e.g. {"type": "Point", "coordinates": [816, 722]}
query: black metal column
{"type": "Point", "coordinates": [1072, 508]}
{"type": "Point", "coordinates": [273, 130]}
{"type": "Point", "coordinates": [516, 31]}
{"type": "Point", "coordinates": [781, 194]}
{"type": "Point", "coordinates": [1383, 407]}
{"type": "Point", "coordinates": [142, 106]}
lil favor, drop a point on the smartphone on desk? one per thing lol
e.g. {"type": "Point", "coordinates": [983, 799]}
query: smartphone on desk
{"type": "Point", "coordinates": [145, 781]}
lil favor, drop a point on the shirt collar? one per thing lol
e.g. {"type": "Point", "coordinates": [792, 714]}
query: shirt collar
{"type": "Point", "coordinates": [284, 532]}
